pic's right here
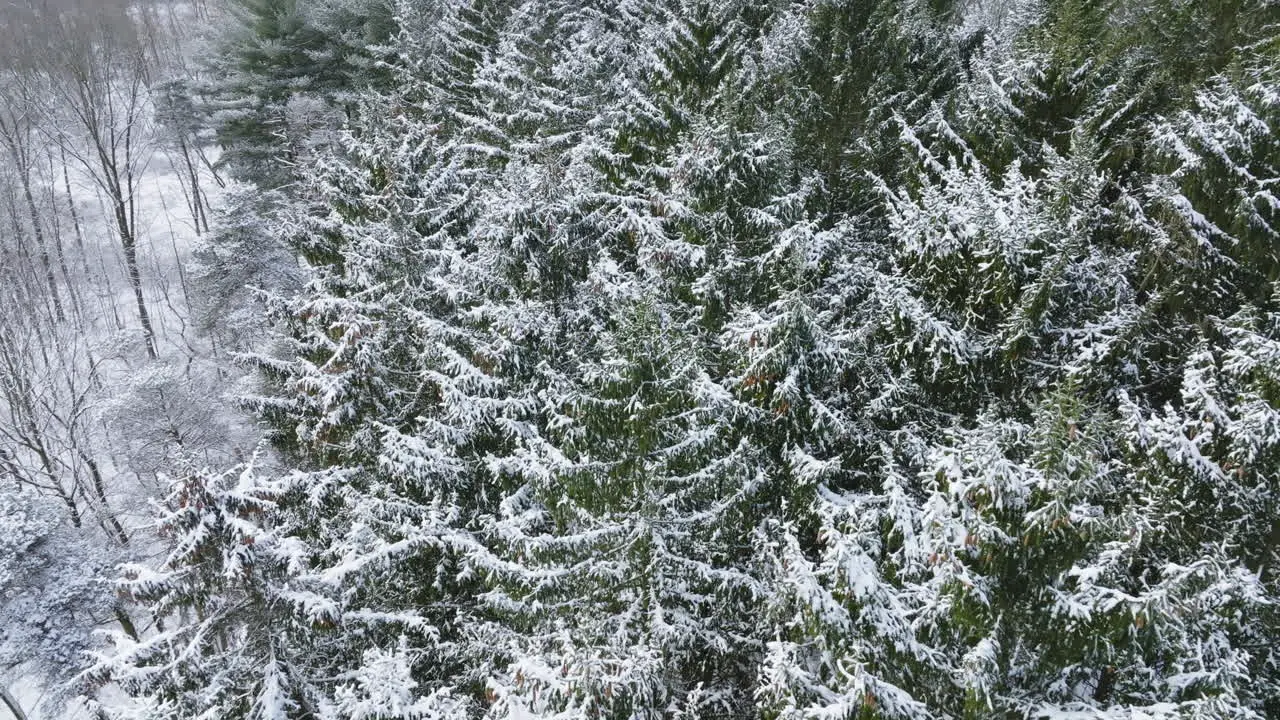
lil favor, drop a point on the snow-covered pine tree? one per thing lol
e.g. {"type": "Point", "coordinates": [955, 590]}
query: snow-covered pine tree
{"type": "Point", "coordinates": [1029, 499]}
{"type": "Point", "coordinates": [282, 75]}
{"type": "Point", "coordinates": [381, 391]}
{"type": "Point", "coordinates": [633, 596]}
{"type": "Point", "coordinates": [217, 649]}
{"type": "Point", "coordinates": [630, 538]}
{"type": "Point", "coordinates": [848, 359]}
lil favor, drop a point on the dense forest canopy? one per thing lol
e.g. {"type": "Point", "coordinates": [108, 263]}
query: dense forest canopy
{"type": "Point", "coordinates": [821, 359]}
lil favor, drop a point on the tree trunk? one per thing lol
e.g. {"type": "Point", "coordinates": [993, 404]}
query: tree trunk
{"type": "Point", "coordinates": [126, 623]}
{"type": "Point", "coordinates": [42, 248]}
{"type": "Point", "coordinates": [12, 703]}
{"type": "Point", "coordinates": [129, 244]}
{"type": "Point", "coordinates": [100, 490]}
{"type": "Point", "coordinates": [75, 216]}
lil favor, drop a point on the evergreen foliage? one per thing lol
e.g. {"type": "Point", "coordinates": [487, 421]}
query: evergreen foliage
{"type": "Point", "coordinates": [704, 358]}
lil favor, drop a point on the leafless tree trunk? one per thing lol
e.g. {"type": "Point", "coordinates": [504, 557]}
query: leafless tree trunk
{"type": "Point", "coordinates": [97, 68]}
{"type": "Point", "coordinates": [17, 116]}
{"type": "Point", "coordinates": [70, 282]}
{"type": "Point", "coordinates": [75, 214]}
{"type": "Point", "coordinates": [12, 703]}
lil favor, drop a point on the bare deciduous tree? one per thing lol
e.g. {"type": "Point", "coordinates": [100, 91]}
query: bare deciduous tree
{"type": "Point", "coordinates": [47, 392]}
{"type": "Point", "coordinates": [91, 59]}
{"type": "Point", "coordinates": [18, 122]}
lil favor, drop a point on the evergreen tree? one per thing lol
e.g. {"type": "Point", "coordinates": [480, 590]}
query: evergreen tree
{"type": "Point", "coordinates": [283, 73]}
{"type": "Point", "coordinates": [827, 359]}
